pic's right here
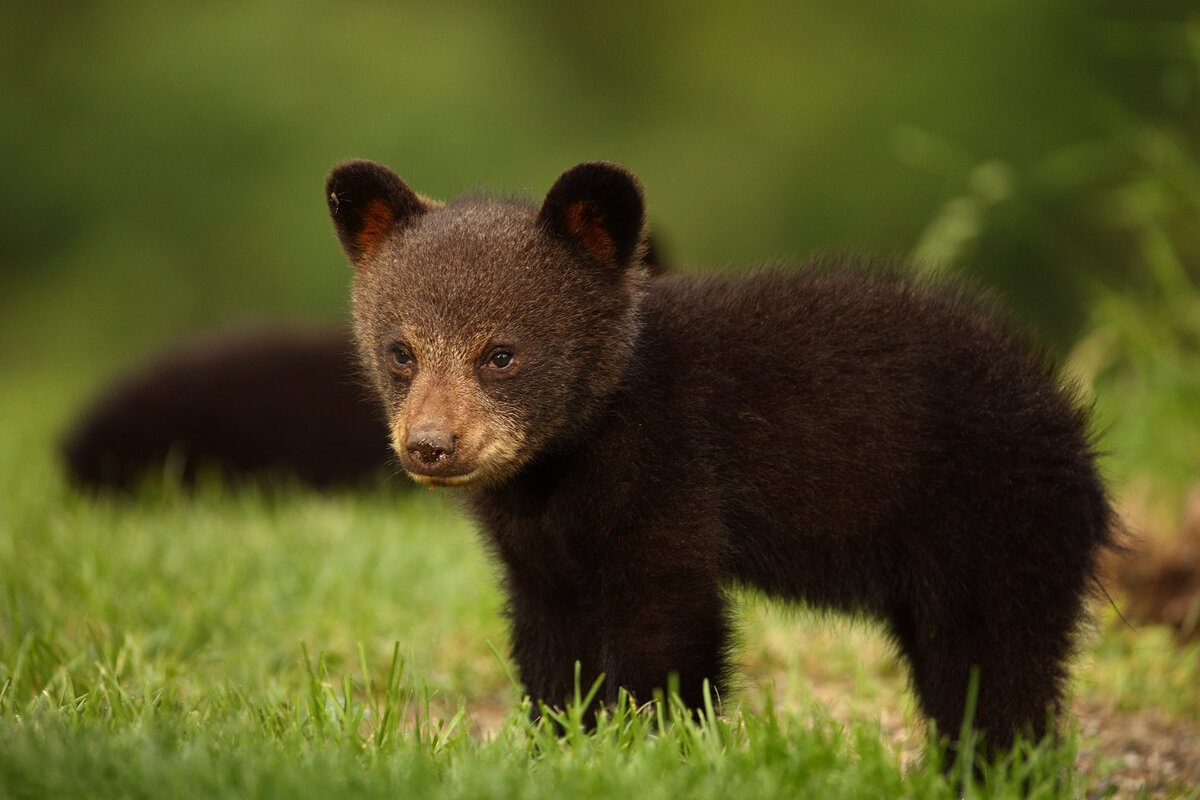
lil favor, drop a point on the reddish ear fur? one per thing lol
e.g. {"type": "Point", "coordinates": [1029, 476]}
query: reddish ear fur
{"type": "Point", "coordinates": [368, 202]}
{"type": "Point", "coordinates": [585, 223]}
{"type": "Point", "coordinates": [598, 207]}
{"type": "Point", "coordinates": [376, 223]}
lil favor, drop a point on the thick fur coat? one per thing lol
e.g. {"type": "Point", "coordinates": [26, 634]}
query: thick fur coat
{"type": "Point", "coordinates": [836, 435]}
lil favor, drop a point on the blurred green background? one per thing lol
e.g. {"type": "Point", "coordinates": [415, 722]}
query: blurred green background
{"type": "Point", "coordinates": [162, 162]}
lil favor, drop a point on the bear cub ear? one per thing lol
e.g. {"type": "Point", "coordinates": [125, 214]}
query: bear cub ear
{"type": "Point", "coordinates": [367, 201]}
{"type": "Point", "coordinates": [598, 207]}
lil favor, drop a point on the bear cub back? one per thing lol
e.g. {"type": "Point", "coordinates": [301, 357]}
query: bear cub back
{"type": "Point", "coordinates": [632, 444]}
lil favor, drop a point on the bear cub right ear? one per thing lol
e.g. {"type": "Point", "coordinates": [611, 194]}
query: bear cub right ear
{"type": "Point", "coordinates": [367, 201]}
{"type": "Point", "coordinates": [597, 206]}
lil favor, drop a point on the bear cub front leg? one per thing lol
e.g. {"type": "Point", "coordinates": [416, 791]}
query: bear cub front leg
{"type": "Point", "coordinates": [638, 625]}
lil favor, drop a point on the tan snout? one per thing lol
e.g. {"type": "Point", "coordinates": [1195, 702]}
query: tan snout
{"type": "Point", "coordinates": [436, 434]}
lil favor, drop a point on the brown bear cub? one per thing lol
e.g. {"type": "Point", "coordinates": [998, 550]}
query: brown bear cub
{"type": "Point", "coordinates": [262, 402]}
{"type": "Point", "coordinates": [839, 436]}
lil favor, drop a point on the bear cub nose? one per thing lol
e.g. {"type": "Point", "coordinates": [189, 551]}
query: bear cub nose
{"type": "Point", "coordinates": [430, 446]}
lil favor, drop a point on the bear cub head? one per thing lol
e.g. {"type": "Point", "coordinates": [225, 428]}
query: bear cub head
{"type": "Point", "coordinates": [491, 329]}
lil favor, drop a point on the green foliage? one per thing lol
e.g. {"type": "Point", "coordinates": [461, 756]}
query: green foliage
{"type": "Point", "coordinates": [1111, 220]}
{"type": "Point", "coordinates": [1141, 355]}
{"type": "Point", "coordinates": [163, 162]}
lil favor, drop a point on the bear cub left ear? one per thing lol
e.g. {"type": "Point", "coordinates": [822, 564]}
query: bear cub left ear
{"type": "Point", "coordinates": [368, 201]}
{"type": "Point", "coordinates": [597, 206]}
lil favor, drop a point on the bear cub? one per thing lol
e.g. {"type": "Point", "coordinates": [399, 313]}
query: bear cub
{"type": "Point", "coordinates": [241, 406]}
{"type": "Point", "coordinates": [632, 444]}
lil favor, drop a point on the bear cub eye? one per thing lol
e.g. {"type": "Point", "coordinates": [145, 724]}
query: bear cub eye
{"type": "Point", "coordinates": [399, 358]}
{"type": "Point", "coordinates": [500, 358]}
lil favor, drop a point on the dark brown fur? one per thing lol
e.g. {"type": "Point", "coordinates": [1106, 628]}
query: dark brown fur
{"type": "Point", "coordinates": [277, 401]}
{"type": "Point", "coordinates": [836, 435]}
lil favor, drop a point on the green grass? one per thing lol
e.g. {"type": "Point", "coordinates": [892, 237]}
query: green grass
{"type": "Point", "coordinates": [272, 642]}
{"type": "Point", "coordinates": [1141, 669]}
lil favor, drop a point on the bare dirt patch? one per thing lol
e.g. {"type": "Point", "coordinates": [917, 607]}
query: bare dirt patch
{"type": "Point", "coordinates": [1138, 752]}
{"type": "Point", "coordinates": [1160, 578]}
